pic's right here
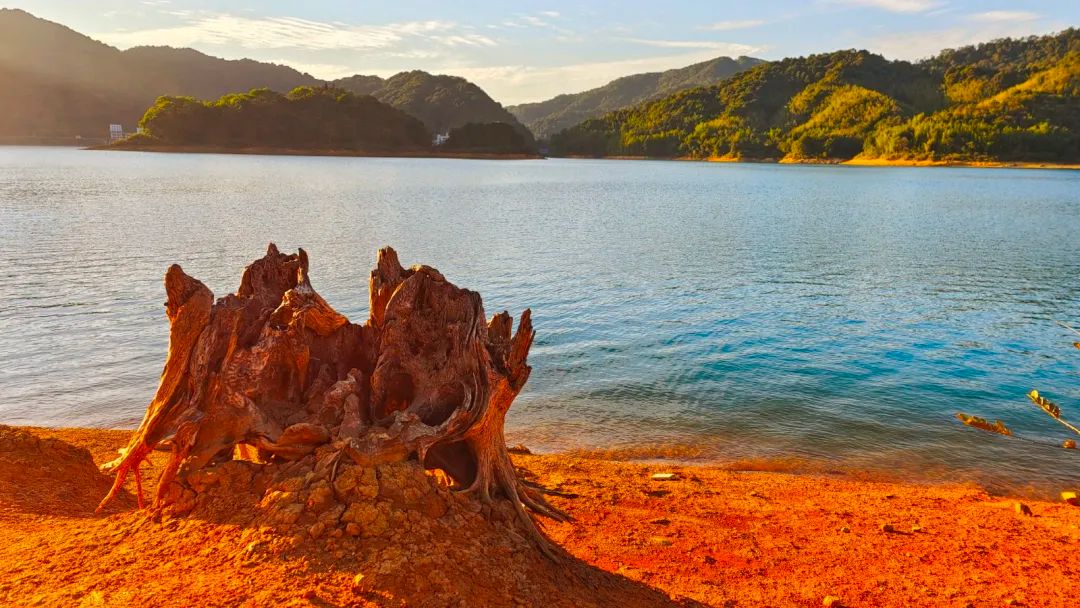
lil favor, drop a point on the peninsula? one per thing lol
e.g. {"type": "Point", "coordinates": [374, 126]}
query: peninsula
{"type": "Point", "coordinates": [322, 121]}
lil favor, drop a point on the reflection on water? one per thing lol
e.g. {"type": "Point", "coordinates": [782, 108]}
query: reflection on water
{"type": "Point", "coordinates": [751, 311]}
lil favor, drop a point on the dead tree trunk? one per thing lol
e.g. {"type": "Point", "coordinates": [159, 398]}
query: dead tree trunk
{"type": "Point", "coordinates": [274, 368]}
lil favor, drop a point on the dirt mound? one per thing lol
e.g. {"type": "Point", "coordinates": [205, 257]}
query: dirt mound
{"type": "Point", "coordinates": [410, 539]}
{"type": "Point", "coordinates": [47, 475]}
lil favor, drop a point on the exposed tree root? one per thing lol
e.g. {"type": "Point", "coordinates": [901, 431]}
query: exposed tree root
{"type": "Point", "coordinates": [275, 372]}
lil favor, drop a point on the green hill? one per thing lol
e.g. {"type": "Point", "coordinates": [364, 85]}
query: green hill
{"type": "Point", "coordinates": [318, 118]}
{"type": "Point", "coordinates": [442, 102]}
{"type": "Point", "coordinates": [1003, 100]}
{"type": "Point", "coordinates": [548, 117]}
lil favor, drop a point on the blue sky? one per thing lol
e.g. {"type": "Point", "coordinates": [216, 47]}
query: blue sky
{"type": "Point", "coordinates": [529, 51]}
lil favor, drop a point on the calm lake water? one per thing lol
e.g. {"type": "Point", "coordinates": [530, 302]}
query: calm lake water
{"type": "Point", "coordinates": [837, 315]}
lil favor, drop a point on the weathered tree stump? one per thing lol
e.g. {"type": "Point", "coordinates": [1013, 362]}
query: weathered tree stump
{"type": "Point", "coordinates": [274, 374]}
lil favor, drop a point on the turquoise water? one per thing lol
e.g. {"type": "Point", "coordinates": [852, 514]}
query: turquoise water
{"type": "Point", "coordinates": [840, 315]}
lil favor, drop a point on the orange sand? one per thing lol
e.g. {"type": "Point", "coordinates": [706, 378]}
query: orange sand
{"type": "Point", "coordinates": [710, 537]}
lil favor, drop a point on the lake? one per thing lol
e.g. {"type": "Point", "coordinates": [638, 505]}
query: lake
{"type": "Point", "coordinates": [825, 317]}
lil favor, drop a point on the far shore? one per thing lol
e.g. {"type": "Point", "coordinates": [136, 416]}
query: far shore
{"type": "Point", "coordinates": [701, 535]}
{"type": "Point", "coordinates": [855, 162]}
{"type": "Point", "coordinates": [272, 151]}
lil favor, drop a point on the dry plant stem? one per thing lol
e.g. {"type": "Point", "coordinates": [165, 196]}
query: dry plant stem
{"type": "Point", "coordinates": [1067, 424]}
{"type": "Point", "coordinates": [275, 369]}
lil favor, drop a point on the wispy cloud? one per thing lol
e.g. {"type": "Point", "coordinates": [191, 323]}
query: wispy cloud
{"type": "Point", "coordinates": [895, 6]}
{"type": "Point", "coordinates": [294, 33]}
{"type": "Point", "coordinates": [730, 48]}
{"type": "Point", "coordinates": [923, 44]}
{"type": "Point", "coordinates": [724, 26]}
{"type": "Point", "coordinates": [1004, 16]}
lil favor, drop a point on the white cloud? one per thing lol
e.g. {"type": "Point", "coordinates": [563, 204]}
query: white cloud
{"type": "Point", "coordinates": [293, 33]}
{"type": "Point", "coordinates": [724, 26]}
{"type": "Point", "coordinates": [895, 6]}
{"type": "Point", "coordinates": [729, 48]}
{"type": "Point", "coordinates": [552, 14]}
{"type": "Point", "coordinates": [920, 45]}
{"type": "Point", "coordinates": [534, 21]}
{"type": "Point", "coordinates": [1004, 16]}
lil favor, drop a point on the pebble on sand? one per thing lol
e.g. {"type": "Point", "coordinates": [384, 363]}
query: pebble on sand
{"type": "Point", "coordinates": [664, 476]}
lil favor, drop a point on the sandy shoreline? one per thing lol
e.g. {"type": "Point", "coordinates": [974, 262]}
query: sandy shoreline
{"type": "Point", "coordinates": [710, 537]}
{"type": "Point", "coordinates": [855, 162]}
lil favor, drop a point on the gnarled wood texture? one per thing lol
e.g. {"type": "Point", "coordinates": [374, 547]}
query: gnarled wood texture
{"type": "Point", "coordinates": [275, 369]}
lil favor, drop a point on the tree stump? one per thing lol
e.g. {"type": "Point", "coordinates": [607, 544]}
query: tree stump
{"type": "Point", "coordinates": [274, 374]}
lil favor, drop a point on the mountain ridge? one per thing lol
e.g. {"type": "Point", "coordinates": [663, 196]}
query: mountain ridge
{"type": "Point", "coordinates": [61, 83]}
{"type": "Point", "coordinates": [1004, 100]}
{"type": "Point", "coordinates": [547, 117]}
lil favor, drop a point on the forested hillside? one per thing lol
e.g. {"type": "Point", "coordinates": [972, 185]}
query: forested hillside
{"type": "Point", "coordinates": [1010, 100]}
{"type": "Point", "coordinates": [321, 118]}
{"type": "Point", "coordinates": [441, 102]}
{"type": "Point", "coordinates": [546, 118]}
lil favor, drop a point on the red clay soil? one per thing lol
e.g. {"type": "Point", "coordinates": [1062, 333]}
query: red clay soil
{"type": "Point", "coordinates": [707, 537]}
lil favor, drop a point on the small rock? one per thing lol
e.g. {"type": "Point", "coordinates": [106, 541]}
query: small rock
{"type": "Point", "coordinates": [317, 529]}
{"type": "Point", "coordinates": [1071, 498]}
{"type": "Point", "coordinates": [845, 530]}
{"type": "Point", "coordinates": [915, 529]}
{"type": "Point", "coordinates": [661, 521]}
{"type": "Point", "coordinates": [1069, 444]}
{"type": "Point", "coordinates": [664, 476]}
{"type": "Point", "coordinates": [708, 559]}
{"type": "Point", "coordinates": [888, 528]}
{"type": "Point", "coordinates": [1022, 509]}
{"type": "Point", "coordinates": [519, 449]}
{"type": "Point", "coordinates": [352, 529]}
{"type": "Point", "coordinates": [831, 601]}
{"type": "Point", "coordinates": [359, 578]}
{"type": "Point", "coordinates": [660, 540]}
{"type": "Point", "coordinates": [309, 594]}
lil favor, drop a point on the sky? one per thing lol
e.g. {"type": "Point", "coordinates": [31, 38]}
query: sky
{"type": "Point", "coordinates": [529, 51]}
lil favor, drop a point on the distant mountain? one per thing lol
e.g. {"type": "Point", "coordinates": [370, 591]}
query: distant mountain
{"type": "Point", "coordinates": [441, 102]}
{"type": "Point", "coordinates": [56, 82]}
{"type": "Point", "coordinates": [1006, 100]}
{"type": "Point", "coordinates": [548, 117]}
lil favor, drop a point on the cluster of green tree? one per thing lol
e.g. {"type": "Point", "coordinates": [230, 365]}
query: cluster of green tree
{"type": "Point", "coordinates": [546, 118]}
{"type": "Point", "coordinates": [1011, 100]}
{"type": "Point", "coordinates": [308, 117]}
{"type": "Point", "coordinates": [488, 137]}
{"type": "Point", "coordinates": [442, 102]}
